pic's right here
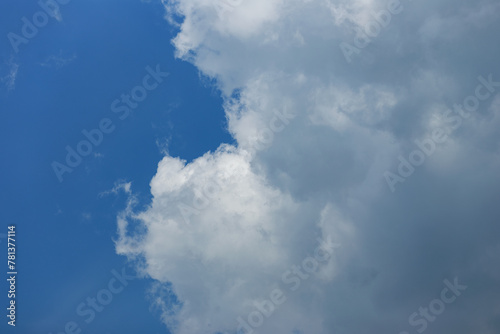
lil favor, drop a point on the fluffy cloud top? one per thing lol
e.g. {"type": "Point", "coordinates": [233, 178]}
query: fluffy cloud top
{"type": "Point", "coordinates": [315, 136]}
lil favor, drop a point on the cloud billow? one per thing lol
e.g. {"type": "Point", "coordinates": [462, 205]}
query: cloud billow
{"type": "Point", "coordinates": [221, 230]}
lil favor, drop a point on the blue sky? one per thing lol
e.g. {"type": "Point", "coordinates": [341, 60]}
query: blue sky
{"type": "Point", "coordinates": [304, 167]}
{"type": "Point", "coordinates": [68, 76]}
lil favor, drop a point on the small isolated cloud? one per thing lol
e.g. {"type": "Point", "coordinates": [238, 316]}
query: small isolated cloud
{"type": "Point", "coordinates": [59, 60]}
{"type": "Point", "coordinates": [119, 186]}
{"type": "Point", "coordinates": [9, 80]}
{"type": "Point", "coordinates": [163, 143]}
{"type": "Point", "coordinates": [86, 216]}
{"type": "Point", "coordinates": [56, 13]}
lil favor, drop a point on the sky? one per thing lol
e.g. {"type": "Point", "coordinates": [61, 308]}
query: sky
{"type": "Point", "coordinates": [263, 166]}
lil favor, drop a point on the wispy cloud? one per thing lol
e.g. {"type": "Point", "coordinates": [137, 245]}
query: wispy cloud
{"type": "Point", "coordinates": [163, 144]}
{"type": "Point", "coordinates": [60, 60]}
{"type": "Point", "coordinates": [120, 185]}
{"type": "Point", "coordinates": [9, 80]}
{"type": "Point", "coordinates": [86, 216]}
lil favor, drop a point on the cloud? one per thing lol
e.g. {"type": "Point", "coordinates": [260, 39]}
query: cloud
{"type": "Point", "coordinates": [222, 229]}
{"type": "Point", "coordinates": [119, 186]}
{"type": "Point", "coordinates": [56, 13]}
{"type": "Point", "coordinates": [201, 210]}
{"type": "Point", "coordinates": [86, 216]}
{"type": "Point", "coordinates": [60, 60]}
{"type": "Point", "coordinates": [9, 80]}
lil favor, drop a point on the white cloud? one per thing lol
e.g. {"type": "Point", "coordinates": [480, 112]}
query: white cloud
{"type": "Point", "coordinates": [119, 186]}
{"type": "Point", "coordinates": [237, 225]}
{"type": "Point", "coordinates": [60, 60]}
{"type": "Point", "coordinates": [223, 228]}
{"type": "Point", "coordinates": [10, 78]}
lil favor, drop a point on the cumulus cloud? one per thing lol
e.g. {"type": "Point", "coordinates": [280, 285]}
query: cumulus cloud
{"type": "Point", "coordinates": [222, 236]}
{"type": "Point", "coordinates": [314, 135]}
